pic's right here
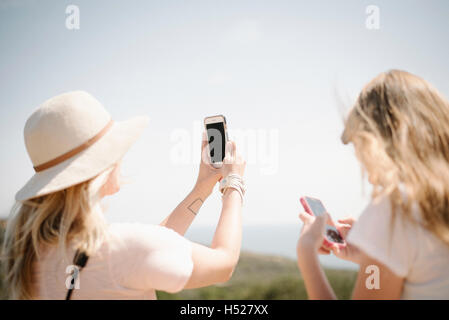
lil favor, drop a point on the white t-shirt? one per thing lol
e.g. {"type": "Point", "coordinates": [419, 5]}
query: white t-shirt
{"type": "Point", "coordinates": [135, 261]}
{"type": "Point", "coordinates": [409, 250]}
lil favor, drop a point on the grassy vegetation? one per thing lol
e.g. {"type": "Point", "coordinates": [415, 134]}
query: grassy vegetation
{"type": "Point", "coordinates": [258, 277]}
{"type": "Point", "coordinates": [2, 286]}
{"type": "Point", "coordinates": [267, 278]}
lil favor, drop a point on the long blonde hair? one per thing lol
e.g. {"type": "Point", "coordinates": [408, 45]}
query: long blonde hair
{"type": "Point", "coordinates": [400, 130]}
{"type": "Point", "coordinates": [70, 216]}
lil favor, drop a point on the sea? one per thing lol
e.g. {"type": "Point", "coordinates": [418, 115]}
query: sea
{"type": "Point", "coordinates": [278, 240]}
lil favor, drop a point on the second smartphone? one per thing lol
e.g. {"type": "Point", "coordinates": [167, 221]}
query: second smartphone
{"type": "Point", "coordinates": [315, 207]}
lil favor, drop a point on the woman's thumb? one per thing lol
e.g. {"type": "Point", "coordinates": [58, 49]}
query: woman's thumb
{"type": "Point", "coordinates": [229, 150]}
{"type": "Point", "coordinates": [320, 222]}
{"type": "Point", "coordinates": [306, 218]}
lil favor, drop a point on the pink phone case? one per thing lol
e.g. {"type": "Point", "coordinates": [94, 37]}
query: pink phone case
{"type": "Point", "coordinates": [309, 211]}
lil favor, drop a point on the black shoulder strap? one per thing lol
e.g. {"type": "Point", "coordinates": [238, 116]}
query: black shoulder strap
{"type": "Point", "coordinates": [79, 260]}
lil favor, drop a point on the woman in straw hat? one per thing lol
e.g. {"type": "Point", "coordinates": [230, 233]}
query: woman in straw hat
{"type": "Point", "coordinates": [57, 244]}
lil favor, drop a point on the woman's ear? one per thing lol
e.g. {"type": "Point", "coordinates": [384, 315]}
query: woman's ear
{"type": "Point", "coordinates": [112, 184]}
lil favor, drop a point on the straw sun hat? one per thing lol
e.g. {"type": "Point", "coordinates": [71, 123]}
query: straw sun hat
{"type": "Point", "coordinates": [71, 138]}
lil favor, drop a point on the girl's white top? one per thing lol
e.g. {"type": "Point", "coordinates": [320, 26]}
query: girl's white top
{"type": "Point", "coordinates": [409, 250]}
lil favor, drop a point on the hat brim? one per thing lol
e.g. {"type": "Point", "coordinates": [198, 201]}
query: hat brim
{"type": "Point", "coordinates": [87, 164]}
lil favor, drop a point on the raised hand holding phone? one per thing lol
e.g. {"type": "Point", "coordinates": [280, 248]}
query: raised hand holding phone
{"type": "Point", "coordinates": [222, 156]}
{"type": "Point", "coordinates": [233, 162]}
{"type": "Point", "coordinates": [312, 233]}
{"type": "Point", "coordinates": [208, 176]}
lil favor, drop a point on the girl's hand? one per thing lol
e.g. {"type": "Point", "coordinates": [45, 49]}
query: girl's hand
{"type": "Point", "coordinates": [348, 252]}
{"type": "Point", "coordinates": [233, 163]}
{"type": "Point", "coordinates": [324, 249]}
{"type": "Point", "coordinates": [208, 176]}
{"type": "Point", "coordinates": [312, 233]}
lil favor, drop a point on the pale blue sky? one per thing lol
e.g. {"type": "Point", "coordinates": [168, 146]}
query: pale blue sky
{"type": "Point", "coordinates": [266, 65]}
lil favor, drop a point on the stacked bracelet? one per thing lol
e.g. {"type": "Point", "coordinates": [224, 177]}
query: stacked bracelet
{"type": "Point", "coordinates": [233, 181]}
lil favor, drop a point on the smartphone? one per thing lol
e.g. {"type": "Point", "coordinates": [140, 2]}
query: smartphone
{"type": "Point", "coordinates": [315, 207]}
{"type": "Point", "coordinates": [217, 136]}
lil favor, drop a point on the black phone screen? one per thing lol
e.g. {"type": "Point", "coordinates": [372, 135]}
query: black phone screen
{"type": "Point", "coordinates": [217, 141]}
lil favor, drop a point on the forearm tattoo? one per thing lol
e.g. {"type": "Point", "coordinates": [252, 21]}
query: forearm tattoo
{"type": "Point", "coordinates": [195, 206]}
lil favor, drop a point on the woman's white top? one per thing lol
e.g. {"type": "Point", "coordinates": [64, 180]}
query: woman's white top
{"type": "Point", "coordinates": [136, 260]}
{"type": "Point", "coordinates": [409, 250]}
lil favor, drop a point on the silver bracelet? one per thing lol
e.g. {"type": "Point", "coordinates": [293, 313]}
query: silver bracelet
{"type": "Point", "coordinates": [233, 181]}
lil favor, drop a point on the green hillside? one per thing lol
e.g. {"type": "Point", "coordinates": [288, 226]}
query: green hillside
{"type": "Point", "coordinates": [2, 232]}
{"type": "Point", "coordinates": [259, 277]}
{"type": "Point", "coordinates": [267, 277]}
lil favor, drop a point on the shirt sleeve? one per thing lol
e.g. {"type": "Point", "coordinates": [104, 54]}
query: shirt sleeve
{"type": "Point", "coordinates": [150, 257]}
{"type": "Point", "coordinates": [392, 242]}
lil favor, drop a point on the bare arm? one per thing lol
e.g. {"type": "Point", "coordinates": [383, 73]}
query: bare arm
{"type": "Point", "coordinates": [317, 285]}
{"type": "Point", "coordinates": [216, 264]}
{"type": "Point", "coordinates": [182, 216]}
{"type": "Point", "coordinates": [390, 285]}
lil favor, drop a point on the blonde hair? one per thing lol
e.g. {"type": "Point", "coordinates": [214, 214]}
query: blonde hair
{"type": "Point", "coordinates": [400, 130]}
{"type": "Point", "coordinates": [70, 216]}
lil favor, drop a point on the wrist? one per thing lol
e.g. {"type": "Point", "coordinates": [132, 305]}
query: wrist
{"type": "Point", "coordinates": [203, 189]}
{"type": "Point", "coordinates": [231, 193]}
{"type": "Point", "coordinates": [234, 182]}
{"type": "Point", "coordinates": [306, 252]}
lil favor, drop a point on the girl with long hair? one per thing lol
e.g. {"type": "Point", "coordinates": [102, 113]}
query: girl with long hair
{"type": "Point", "coordinates": [399, 127]}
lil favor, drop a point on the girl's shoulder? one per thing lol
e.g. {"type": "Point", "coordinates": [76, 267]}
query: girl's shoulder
{"type": "Point", "coordinates": [143, 236]}
{"type": "Point", "coordinates": [146, 256]}
{"type": "Point", "coordinates": [398, 241]}
{"type": "Point", "coordinates": [388, 238]}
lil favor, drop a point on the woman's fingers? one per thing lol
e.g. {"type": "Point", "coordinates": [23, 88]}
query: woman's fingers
{"type": "Point", "coordinates": [344, 229]}
{"type": "Point", "coordinates": [328, 246]}
{"type": "Point", "coordinates": [204, 140]}
{"type": "Point", "coordinates": [239, 159]}
{"type": "Point", "coordinates": [233, 163]}
{"type": "Point", "coordinates": [306, 218]}
{"type": "Point", "coordinates": [205, 149]}
{"type": "Point", "coordinates": [205, 153]}
{"type": "Point", "coordinates": [329, 220]}
{"type": "Point", "coordinates": [230, 151]}
{"type": "Point", "coordinates": [336, 250]}
{"type": "Point", "coordinates": [323, 250]}
{"type": "Point", "coordinates": [347, 220]}
{"type": "Point", "coordinates": [314, 221]}
{"type": "Point", "coordinates": [344, 225]}
{"type": "Point", "coordinates": [319, 223]}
